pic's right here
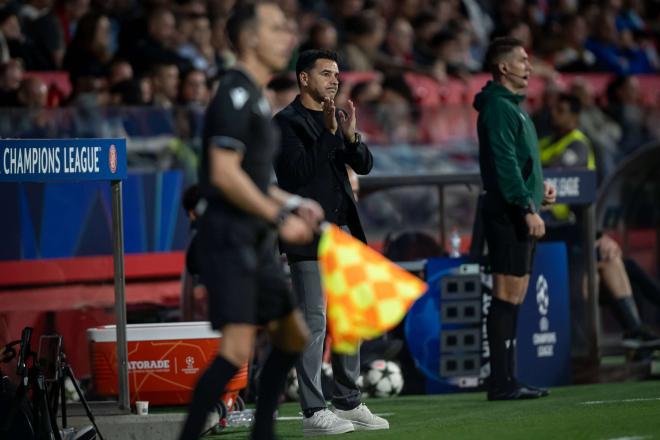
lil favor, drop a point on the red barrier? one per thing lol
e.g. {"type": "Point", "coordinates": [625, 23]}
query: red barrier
{"type": "Point", "coordinates": [429, 92]}
{"type": "Point", "coordinates": [89, 269]}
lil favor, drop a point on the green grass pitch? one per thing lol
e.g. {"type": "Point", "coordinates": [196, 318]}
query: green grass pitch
{"type": "Point", "coordinates": [628, 411]}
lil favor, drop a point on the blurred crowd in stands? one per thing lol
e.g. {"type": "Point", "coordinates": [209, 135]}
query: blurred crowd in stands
{"type": "Point", "coordinates": [404, 61]}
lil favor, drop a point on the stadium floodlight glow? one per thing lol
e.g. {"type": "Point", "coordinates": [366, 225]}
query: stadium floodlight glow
{"type": "Point", "coordinates": [75, 160]}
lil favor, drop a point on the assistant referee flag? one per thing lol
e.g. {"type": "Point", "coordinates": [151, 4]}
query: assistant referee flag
{"type": "Point", "coordinates": [366, 293]}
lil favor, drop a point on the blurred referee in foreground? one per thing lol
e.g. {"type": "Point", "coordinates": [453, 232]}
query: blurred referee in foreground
{"type": "Point", "coordinates": [242, 216]}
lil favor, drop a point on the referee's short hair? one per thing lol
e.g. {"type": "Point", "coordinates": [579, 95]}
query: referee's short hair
{"type": "Point", "coordinates": [498, 49]}
{"type": "Point", "coordinates": [307, 59]}
{"type": "Point", "coordinates": [243, 15]}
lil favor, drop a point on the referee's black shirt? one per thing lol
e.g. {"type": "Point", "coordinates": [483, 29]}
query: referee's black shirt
{"type": "Point", "coordinates": [238, 118]}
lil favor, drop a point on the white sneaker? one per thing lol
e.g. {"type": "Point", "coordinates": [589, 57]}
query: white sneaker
{"type": "Point", "coordinates": [325, 422]}
{"type": "Point", "coordinates": [363, 419]}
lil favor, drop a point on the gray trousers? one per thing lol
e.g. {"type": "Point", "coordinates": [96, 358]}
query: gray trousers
{"type": "Point", "coordinates": [346, 369]}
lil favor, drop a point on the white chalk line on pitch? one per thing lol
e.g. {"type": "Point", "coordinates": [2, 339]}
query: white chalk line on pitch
{"type": "Point", "coordinates": [602, 402]}
{"type": "Point", "coordinates": [289, 418]}
{"type": "Point", "coordinates": [635, 437]}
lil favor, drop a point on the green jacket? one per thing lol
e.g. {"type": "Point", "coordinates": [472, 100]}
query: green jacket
{"type": "Point", "coordinates": [508, 150]}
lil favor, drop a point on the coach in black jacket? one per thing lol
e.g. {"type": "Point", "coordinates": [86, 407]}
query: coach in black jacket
{"type": "Point", "coordinates": [317, 142]}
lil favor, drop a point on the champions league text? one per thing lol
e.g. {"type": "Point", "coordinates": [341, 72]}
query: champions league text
{"type": "Point", "coordinates": [50, 160]}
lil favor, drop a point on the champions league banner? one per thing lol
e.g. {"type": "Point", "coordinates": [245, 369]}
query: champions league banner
{"type": "Point", "coordinates": [51, 160]}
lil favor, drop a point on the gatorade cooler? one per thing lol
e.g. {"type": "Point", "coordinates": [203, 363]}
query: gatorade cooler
{"type": "Point", "coordinates": [164, 361]}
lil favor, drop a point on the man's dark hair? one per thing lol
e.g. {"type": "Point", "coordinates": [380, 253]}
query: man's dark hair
{"type": "Point", "coordinates": [573, 101]}
{"type": "Point", "coordinates": [307, 59]}
{"type": "Point", "coordinates": [498, 49]}
{"type": "Point", "coordinates": [242, 16]}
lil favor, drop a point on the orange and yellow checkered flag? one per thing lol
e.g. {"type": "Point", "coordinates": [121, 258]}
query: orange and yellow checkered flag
{"type": "Point", "coordinates": [366, 293]}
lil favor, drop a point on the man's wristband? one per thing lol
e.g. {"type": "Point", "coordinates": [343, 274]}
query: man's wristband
{"type": "Point", "coordinates": [292, 203]}
{"type": "Point", "coordinates": [529, 209]}
{"type": "Point", "coordinates": [357, 140]}
{"type": "Point", "coordinates": [282, 215]}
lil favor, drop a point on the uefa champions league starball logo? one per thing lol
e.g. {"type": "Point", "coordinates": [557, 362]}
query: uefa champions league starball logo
{"type": "Point", "coordinates": [112, 158]}
{"type": "Point", "coordinates": [542, 297]}
{"type": "Point", "coordinates": [190, 366]}
{"type": "Point", "coordinates": [543, 302]}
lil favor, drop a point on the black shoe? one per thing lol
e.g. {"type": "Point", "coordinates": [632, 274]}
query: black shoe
{"type": "Point", "coordinates": [513, 392]}
{"type": "Point", "coordinates": [641, 338]}
{"type": "Point", "coordinates": [543, 392]}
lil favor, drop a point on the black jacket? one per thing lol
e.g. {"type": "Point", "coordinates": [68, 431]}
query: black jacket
{"type": "Point", "coordinates": [311, 163]}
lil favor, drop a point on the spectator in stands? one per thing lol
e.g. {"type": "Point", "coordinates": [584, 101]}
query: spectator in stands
{"type": "Point", "coordinates": [366, 32]}
{"type": "Point", "coordinates": [425, 26]}
{"type": "Point", "coordinates": [618, 53]}
{"type": "Point", "coordinates": [194, 89]}
{"type": "Point", "coordinates": [469, 47]}
{"type": "Point", "coordinates": [522, 31]}
{"type": "Point", "coordinates": [322, 36]}
{"type": "Point", "coordinates": [37, 121]}
{"type": "Point", "coordinates": [623, 106]}
{"type": "Point", "coordinates": [199, 49]}
{"type": "Point", "coordinates": [11, 35]}
{"type": "Point", "coordinates": [33, 120]}
{"type": "Point", "coordinates": [397, 112]}
{"type": "Point", "coordinates": [573, 56]}
{"type": "Point", "coordinates": [340, 11]}
{"type": "Point", "coordinates": [11, 75]}
{"type": "Point", "coordinates": [449, 59]}
{"type": "Point", "coordinates": [603, 131]}
{"type": "Point", "coordinates": [159, 45]}
{"type": "Point", "coordinates": [194, 96]}
{"type": "Point", "coordinates": [281, 91]}
{"type": "Point", "coordinates": [90, 92]}
{"type": "Point", "coordinates": [507, 13]}
{"type": "Point", "coordinates": [568, 147]}
{"type": "Point", "coordinates": [366, 93]}
{"type": "Point", "coordinates": [223, 53]}
{"type": "Point", "coordinates": [128, 92]}
{"type": "Point", "coordinates": [89, 53]}
{"type": "Point", "coordinates": [481, 26]}
{"type": "Point", "coordinates": [120, 70]}
{"type": "Point", "coordinates": [33, 93]}
{"type": "Point", "coordinates": [184, 29]}
{"type": "Point", "coordinates": [187, 12]}
{"type": "Point", "coordinates": [446, 11]}
{"type": "Point", "coordinates": [165, 81]}
{"type": "Point", "coordinates": [68, 13]}
{"type": "Point", "coordinates": [45, 39]}
{"type": "Point", "coordinates": [399, 42]}
{"type": "Point", "coordinates": [543, 116]}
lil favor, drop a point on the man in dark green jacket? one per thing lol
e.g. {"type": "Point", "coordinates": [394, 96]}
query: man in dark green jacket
{"type": "Point", "coordinates": [514, 192]}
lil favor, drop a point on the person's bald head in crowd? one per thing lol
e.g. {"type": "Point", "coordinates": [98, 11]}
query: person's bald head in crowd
{"type": "Point", "coordinates": [33, 93]}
